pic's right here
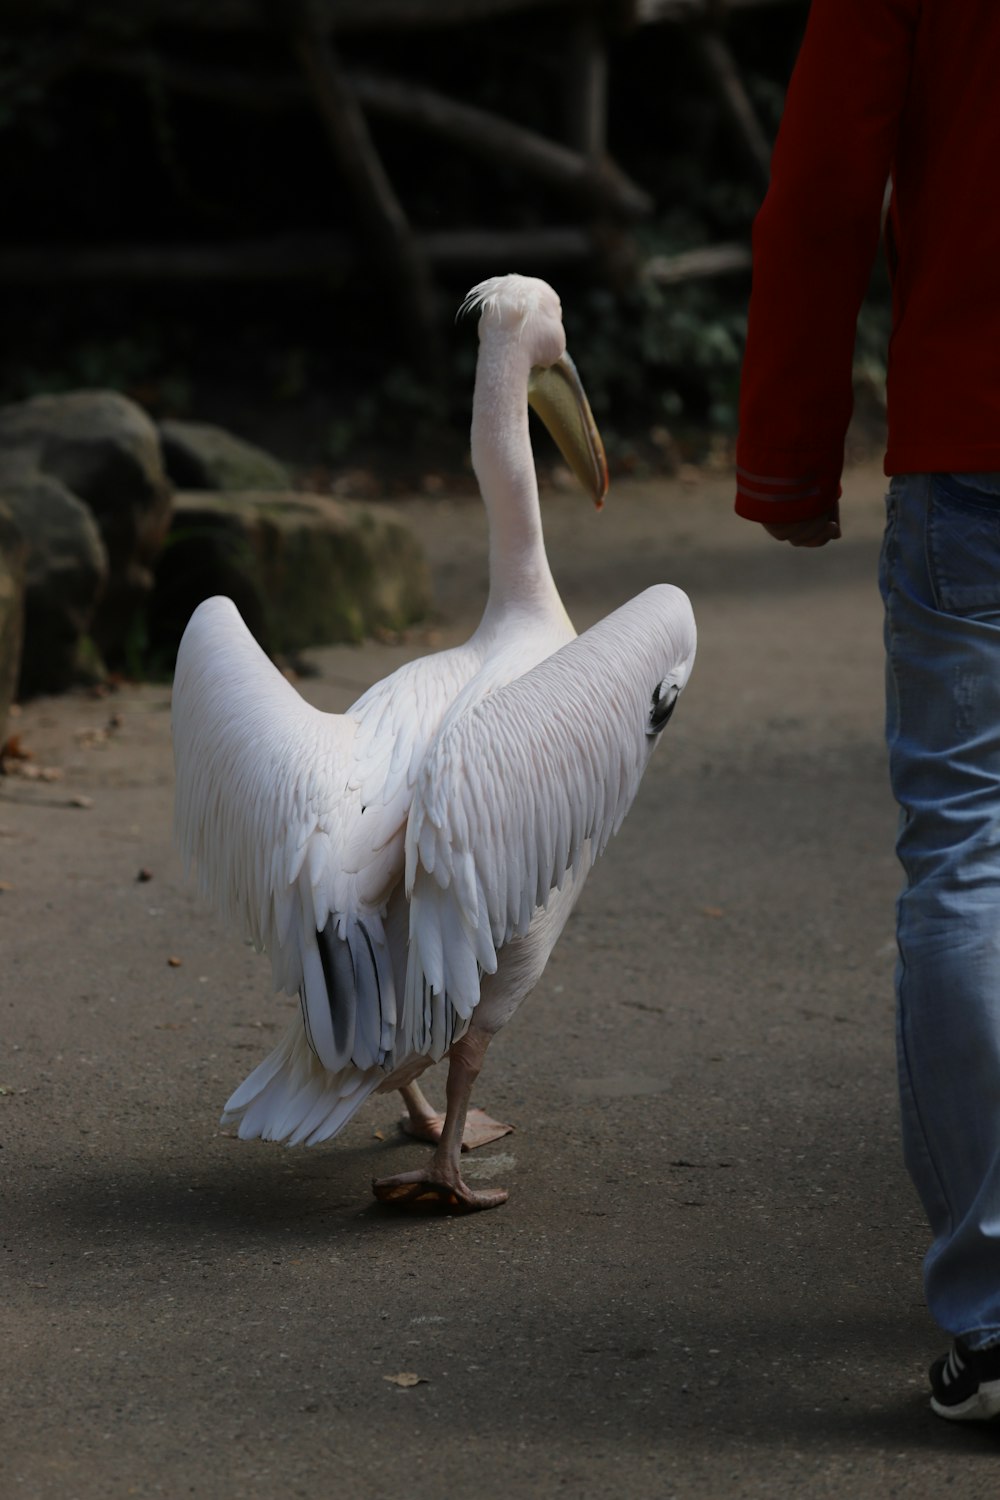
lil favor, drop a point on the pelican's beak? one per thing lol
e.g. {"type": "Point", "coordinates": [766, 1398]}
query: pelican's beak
{"type": "Point", "coordinates": [556, 393]}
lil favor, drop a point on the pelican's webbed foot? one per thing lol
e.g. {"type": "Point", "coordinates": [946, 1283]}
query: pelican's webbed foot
{"type": "Point", "coordinates": [418, 1192]}
{"type": "Point", "coordinates": [480, 1128]}
{"type": "Point", "coordinates": [439, 1188]}
{"type": "Point", "coordinates": [423, 1122]}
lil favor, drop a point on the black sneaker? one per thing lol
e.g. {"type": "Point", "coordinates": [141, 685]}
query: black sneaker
{"type": "Point", "coordinates": [965, 1384]}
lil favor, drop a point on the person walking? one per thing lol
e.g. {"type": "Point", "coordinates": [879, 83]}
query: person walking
{"type": "Point", "coordinates": [905, 91]}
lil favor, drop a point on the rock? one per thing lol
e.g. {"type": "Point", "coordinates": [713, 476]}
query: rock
{"type": "Point", "coordinates": [106, 451]}
{"type": "Point", "coordinates": [66, 569]}
{"type": "Point", "coordinates": [303, 570]}
{"type": "Point", "coordinates": [199, 456]}
{"type": "Point", "coordinates": [13, 559]}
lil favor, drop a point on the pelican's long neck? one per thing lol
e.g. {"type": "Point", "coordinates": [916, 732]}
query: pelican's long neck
{"type": "Point", "coordinates": [505, 468]}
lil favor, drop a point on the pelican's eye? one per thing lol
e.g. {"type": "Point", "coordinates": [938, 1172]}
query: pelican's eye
{"type": "Point", "coordinates": [662, 706]}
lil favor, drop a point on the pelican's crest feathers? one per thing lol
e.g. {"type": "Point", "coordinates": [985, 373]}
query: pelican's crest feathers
{"type": "Point", "coordinates": [511, 299]}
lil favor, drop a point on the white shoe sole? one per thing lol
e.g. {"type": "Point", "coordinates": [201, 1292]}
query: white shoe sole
{"type": "Point", "coordinates": [981, 1407]}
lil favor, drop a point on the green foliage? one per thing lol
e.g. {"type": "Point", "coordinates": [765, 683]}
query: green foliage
{"type": "Point", "coordinates": [659, 354]}
{"type": "Point", "coordinates": [399, 411]}
{"type": "Point", "coordinates": [132, 363]}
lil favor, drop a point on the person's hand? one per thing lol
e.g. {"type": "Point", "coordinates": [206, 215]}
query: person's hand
{"type": "Point", "coordinates": [815, 532]}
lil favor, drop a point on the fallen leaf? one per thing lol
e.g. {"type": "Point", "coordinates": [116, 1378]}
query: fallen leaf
{"type": "Point", "coordinates": [13, 749]}
{"type": "Point", "coordinates": [88, 739]}
{"type": "Point", "coordinates": [144, 874]}
{"type": "Point", "coordinates": [174, 963]}
{"type": "Point", "coordinates": [379, 1137]}
{"type": "Point", "coordinates": [80, 801]}
{"type": "Point", "coordinates": [5, 885]}
{"type": "Point", "coordinates": [405, 1379]}
{"type": "Point", "coordinates": [712, 911]}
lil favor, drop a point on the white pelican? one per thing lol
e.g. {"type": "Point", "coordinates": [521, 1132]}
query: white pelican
{"type": "Point", "coordinates": [410, 864]}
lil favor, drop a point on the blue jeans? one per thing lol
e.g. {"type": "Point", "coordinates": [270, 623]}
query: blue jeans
{"type": "Point", "coordinates": [940, 580]}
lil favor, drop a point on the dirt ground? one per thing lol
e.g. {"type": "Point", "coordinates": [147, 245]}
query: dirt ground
{"type": "Point", "coordinates": [706, 1282]}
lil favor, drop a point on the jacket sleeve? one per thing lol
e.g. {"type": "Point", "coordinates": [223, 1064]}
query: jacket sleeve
{"type": "Point", "coordinates": [814, 242]}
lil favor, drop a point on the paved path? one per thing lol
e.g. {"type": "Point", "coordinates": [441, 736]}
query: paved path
{"type": "Point", "coordinates": [707, 1280]}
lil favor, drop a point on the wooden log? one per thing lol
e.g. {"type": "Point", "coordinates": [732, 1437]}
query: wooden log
{"type": "Point", "coordinates": [722, 70]}
{"type": "Point", "coordinates": [371, 15]}
{"type": "Point", "coordinates": [380, 209]}
{"type": "Point", "coordinates": [600, 183]}
{"type": "Point", "coordinates": [587, 88]}
{"type": "Point", "coordinates": [586, 104]}
{"type": "Point", "coordinates": [649, 12]}
{"type": "Point", "coordinates": [274, 259]}
{"type": "Point", "coordinates": [691, 265]}
{"type": "Point", "coordinates": [597, 180]}
{"type": "Point", "coordinates": [499, 250]}
{"type": "Point", "coordinates": [281, 259]}
{"type": "Point", "coordinates": [334, 15]}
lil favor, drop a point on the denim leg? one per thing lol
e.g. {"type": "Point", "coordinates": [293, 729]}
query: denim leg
{"type": "Point", "coordinates": [940, 580]}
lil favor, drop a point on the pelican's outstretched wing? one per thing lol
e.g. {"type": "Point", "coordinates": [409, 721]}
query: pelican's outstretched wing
{"type": "Point", "coordinates": [525, 785]}
{"type": "Point", "coordinates": [295, 819]}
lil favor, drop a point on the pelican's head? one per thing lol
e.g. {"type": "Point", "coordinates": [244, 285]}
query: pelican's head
{"type": "Point", "coordinates": [529, 311]}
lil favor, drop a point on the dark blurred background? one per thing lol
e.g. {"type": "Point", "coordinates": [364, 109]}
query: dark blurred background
{"type": "Point", "coordinates": [189, 220]}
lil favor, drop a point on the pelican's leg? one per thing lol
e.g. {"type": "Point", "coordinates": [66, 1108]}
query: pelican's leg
{"type": "Point", "coordinates": [423, 1121]}
{"type": "Point", "coordinates": [441, 1187]}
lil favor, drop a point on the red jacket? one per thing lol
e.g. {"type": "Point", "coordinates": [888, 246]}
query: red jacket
{"type": "Point", "coordinates": [910, 87]}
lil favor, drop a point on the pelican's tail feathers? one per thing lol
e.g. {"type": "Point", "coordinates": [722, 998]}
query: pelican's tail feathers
{"type": "Point", "coordinates": [291, 1097]}
{"type": "Point", "coordinates": [281, 1059]}
{"type": "Point", "coordinates": [349, 993]}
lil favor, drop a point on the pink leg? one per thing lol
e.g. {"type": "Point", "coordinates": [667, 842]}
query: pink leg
{"type": "Point", "coordinates": [423, 1121]}
{"type": "Point", "coordinates": [440, 1188]}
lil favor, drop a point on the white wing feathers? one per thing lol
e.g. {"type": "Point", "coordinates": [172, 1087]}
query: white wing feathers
{"type": "Point", "coordinates": [295, 820]}
{"type": "Point", "coordinates": [244, 742]}
{"type": "Point", "coordinates": [526, 785]}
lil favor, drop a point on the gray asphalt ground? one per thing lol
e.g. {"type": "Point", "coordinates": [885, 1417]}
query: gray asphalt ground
{"type": "Point", "coordinates": [706, 1282]}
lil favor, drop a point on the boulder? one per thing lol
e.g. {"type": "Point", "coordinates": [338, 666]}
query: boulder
{"type": "Point", "coordinates": [65, 571]}
{"type": "Point", "coordinates": [104, 450]}
{"type": "Point", "coordinates": [13, 558]}
{"type": "Point", "coordinates": [199, 456]}
{"type": "Point", "coordinates": [303, 570]}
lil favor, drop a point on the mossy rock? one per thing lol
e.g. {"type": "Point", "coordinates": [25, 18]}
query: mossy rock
{"type": "Point", "coordinates": [103, 450]}
{"type": "Point", "coordinates": [65, 572]}
{"type": "Point", "coordinates": [303, 570]}
{"type": "Point", "coordinates": [199, 456]}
